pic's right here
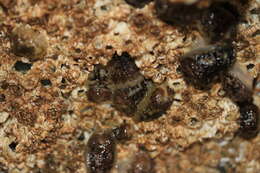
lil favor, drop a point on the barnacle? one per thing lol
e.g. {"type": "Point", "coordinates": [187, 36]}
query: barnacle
{"type": "Point", "coordinates": [200, 67]}
{"type": "Point", "coordinates": [121, 83]}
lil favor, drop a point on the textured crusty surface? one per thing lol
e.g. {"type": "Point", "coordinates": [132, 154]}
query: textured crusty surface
{"type": "Point", "coordinates": [45, 128]}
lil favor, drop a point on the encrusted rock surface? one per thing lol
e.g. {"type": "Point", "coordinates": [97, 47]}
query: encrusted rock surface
{"type": "Point", "coordinates": [46, 118]}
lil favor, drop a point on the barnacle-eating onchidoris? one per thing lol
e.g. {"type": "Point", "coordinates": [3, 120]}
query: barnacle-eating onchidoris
{"type": "Point", "coordinates": [121, 84]}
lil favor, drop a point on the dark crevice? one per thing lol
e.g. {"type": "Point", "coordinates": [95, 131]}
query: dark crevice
{"type": "Point", "coordinates": [46, 82]}
{"type": "Point", "coordinates": [13, 145]}
{"type": "Point", "coordinates": [2, 97]}
{"type": "Point", "coordinates": [22, 66]}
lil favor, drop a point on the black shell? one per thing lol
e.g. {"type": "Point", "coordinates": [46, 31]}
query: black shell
{"type": "Point", "coordinates": [176, 13]}
{"type": "Point", "coordinates": [248, 120]}
{"type": "Point", "coordinates": [201, 67]}
{"type": "Point", "coordinates": [100, 153]}
{"type": "Point", "coordinates": [218, 19]}
{"type": "Point", "coordinates": [235, 89]}
{"type": "Point", "coordinates": [138, 3]}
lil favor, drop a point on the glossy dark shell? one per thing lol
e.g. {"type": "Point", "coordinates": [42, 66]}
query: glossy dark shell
{"type": "Point", "coordinates": [236, 90]}
{"type": "Point", "coordinates": [201, 67]}
{"type": "Point", "coordinates": [100, 153]}
{"type": "Point", "coordinates": [248, 120]}
{"type": "Point", "coordinates": [176, 13]}
{"type": "Point", "coordinates": [218, 19]}
{"type": "Point", "coordinates": [138, 3]}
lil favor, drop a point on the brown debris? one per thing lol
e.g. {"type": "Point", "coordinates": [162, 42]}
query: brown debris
{"type": "Point", "coordinates": [29, 42]}
{"type": "Point", "coordinates": [25, 117]}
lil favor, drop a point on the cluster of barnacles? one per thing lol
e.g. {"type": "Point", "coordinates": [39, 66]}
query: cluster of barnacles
{"type": "Point", "coordinates": [122, 85]}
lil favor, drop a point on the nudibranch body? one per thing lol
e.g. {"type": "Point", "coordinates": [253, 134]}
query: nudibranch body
{"type": "Point", "coordinates": [121, 84]}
